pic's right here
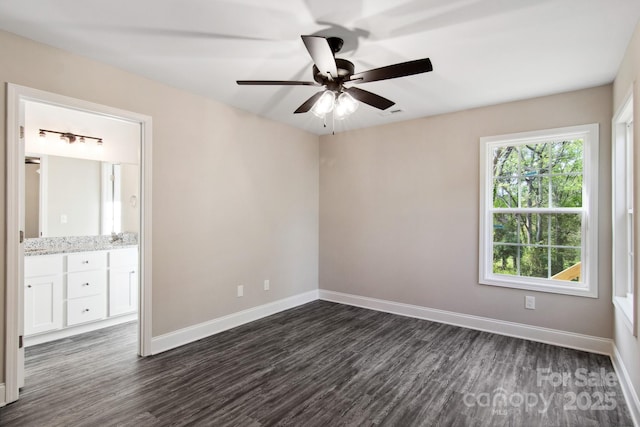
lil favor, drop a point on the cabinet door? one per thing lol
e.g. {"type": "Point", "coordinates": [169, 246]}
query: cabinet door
{"type": "Point", "coordinates": [43, 304]}
{"type": "Point", "coordinates": [123, 290]}
{"type": "Point", "coordinates": [123, 257]}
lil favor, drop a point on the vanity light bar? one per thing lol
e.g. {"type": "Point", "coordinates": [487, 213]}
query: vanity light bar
{"type": "Point", "coordinates": [70, 137]}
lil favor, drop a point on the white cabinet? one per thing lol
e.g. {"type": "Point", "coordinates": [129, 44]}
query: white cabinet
{"type": "Point", "coordinates": [72, 293]}
{"type": "Point", "coordinates": [43, 304]}
{"type": "Point", "coordinates": [43, 294]}
{"type": "Point", "coordinates": [86, 287]}
{"type": "Point", "coordinates": [123, 281]}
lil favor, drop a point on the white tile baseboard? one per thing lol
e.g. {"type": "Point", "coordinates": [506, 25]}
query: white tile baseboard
{"type": "Point", "coordinates": [3, 396]}
{"type": "Point", "coordinates": [518, 330]}
{"type": "Point", "coordinates": [202, 330]}
{"type": "Point", "coordinates": [626, 385]}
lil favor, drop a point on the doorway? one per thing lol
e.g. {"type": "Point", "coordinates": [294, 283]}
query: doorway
{"type": "Point", "coordinates": [17, 99]}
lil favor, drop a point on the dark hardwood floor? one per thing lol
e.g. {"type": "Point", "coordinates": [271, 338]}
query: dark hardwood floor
{"type": "Point", "coordinates": [321, 364]}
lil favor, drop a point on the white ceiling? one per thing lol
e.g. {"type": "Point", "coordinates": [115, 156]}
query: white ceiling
{"type": "Point", "coordinates": [483, 51]}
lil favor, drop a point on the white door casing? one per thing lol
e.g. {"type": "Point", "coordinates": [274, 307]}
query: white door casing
{"type": "Point", "coordinates": [14, 310]}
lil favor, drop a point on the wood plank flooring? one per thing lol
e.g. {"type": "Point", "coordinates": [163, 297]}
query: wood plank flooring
{"type": "Point", "coordinates": [321, 364]}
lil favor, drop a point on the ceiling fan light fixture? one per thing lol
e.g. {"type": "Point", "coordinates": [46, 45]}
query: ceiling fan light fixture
{"type": "Point", "coordinates": [345, 106]}
{"type": "Point", "coordinates": [333, 73]}
{"type": "Point", "coordinates": [324, 104]}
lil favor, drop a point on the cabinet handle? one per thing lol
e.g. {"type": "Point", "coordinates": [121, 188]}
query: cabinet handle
{"type": "Point", "coordinates": [85, 310]}
{"type": "Point", "coordinates": [133, 272]}
{"type": "Point", "coordinates": [85, 262]}
{"type": "Point", "coordinates": [86, 284]}
{"type": "Point", "coordinates": [28, 286]}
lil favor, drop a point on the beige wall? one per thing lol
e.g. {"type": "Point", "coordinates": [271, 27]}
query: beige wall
{"type": "Point", "coordinates": [235, 197]}
{"type": "Point", "coordinates": [399, 212]}
{"type": "Point", "coordinates": [626, 80]}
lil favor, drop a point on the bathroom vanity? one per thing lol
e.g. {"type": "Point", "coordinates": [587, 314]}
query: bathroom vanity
{"type": "Point", "coordinates": [72, 289]}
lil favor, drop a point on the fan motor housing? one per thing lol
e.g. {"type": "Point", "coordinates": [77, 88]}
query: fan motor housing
{"type": "Point", "coordinates": [345, 70]}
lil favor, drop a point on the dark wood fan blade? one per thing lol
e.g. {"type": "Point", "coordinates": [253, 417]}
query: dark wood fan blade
{"type": "Point", "coordinates": [308, 104]}
{"type": "Point", "coordinates": [370, 98]}
{"type": "Point", "coordinates": [276, 83]}
{"type": "Point", "coordinates": [321, 54]}
{"type": "Point", "coordinates": [394, 71]}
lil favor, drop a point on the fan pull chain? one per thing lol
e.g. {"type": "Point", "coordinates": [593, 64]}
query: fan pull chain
{"type": "Point", "coordinates": [333, 123]}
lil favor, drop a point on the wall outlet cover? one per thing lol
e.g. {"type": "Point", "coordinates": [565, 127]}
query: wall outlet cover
{"type": "Point", "coordinates": [530, 302]}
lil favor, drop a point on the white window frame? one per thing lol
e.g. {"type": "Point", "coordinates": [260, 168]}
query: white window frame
{"type": "Point", "coordinates": [623, 214]}
{"type": "Point", "coordinates": [589, 287]}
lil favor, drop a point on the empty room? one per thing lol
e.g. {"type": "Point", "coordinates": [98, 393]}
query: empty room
{"type": "Point", "coordinates": [319, 213]}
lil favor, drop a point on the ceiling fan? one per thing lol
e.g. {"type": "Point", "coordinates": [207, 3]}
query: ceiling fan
{"type": "Point", "coordinates": [337, 74]}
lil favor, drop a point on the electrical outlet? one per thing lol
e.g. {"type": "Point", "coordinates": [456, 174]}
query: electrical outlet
{"type": "Point", "coordinates": [266, 285]}
{"type": "Point", "coordinates": [530, 302]}
{"type": "Point", "coordinates": [240, 290]}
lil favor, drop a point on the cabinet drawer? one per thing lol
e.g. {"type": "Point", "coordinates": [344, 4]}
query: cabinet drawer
{"type": "Point", "coordinates": [86, 309]}
{"type": "Point", "coordinates": [123, 257]}
{"type": "Point", "coordinates": [86, 283]}
{"type": "Point", "coordinates": [84, 261]}
{"type": "Point", "coordinates": [44, 265]}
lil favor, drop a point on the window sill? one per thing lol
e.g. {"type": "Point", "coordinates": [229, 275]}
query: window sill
{"type": "Point", "coordinates": [508, 282]}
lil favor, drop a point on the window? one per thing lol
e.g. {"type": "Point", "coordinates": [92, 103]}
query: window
{"type": "Point", "coordinates": [623, 212]}
{"type": "Point", "coordinates": [538, 210]}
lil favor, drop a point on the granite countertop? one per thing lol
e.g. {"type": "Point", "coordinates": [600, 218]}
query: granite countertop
{"type": "Point", "coordinates": [63, 245]}
{"type": "Point", "coordinates": [53, 251]}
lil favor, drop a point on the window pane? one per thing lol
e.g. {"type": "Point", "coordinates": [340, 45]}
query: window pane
{"type": "Point", "coordinates": [533, 262]}
{"type": "Point", "coordinates": [565, 264]}
{"type": "Point", "coordinates": [536, 181]}
{"type": "Point", "coordinates": [534, 159]}
{"type": "Point", "coordinates": [566, 191]}
{"type": "Point", "coordinates": [505, 193]}
{"type": "Point", "coordinates": [534, 192]}
{"type": "Point", "coordinates": [505, 228]}
{"type": "Point", "coordinates": [534, 229]}
{"type": "Point", "coordinates": [505, 162]}
{"type": "Point", "coordinates": [504, 259]}
{"type": "Point", "coordinates": [567, 156]}
{"type": "Point", "coordinates": [566, 229]}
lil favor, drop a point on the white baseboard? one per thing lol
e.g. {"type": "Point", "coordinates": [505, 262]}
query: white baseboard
{"type": "Point", "coordinates": [626, 385]}
{"type": "Point", "coordinates": [196, 332]}
{"type": "Point", "coordinates": [3, 395]}
{"type": "Point", "coordinates": [518, 330]}
{"type": "Point", "coordinates": [80, 329]}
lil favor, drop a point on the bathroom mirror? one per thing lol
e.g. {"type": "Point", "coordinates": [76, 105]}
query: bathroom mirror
{"type": "Point", "coordinates": [67, 196]}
